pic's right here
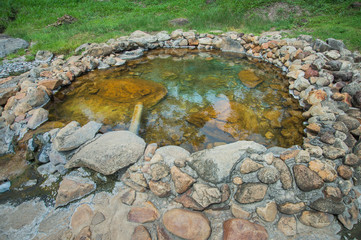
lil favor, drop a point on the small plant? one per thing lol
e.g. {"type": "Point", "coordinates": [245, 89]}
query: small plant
{"type": "Point", "coordinates": [30, 58]}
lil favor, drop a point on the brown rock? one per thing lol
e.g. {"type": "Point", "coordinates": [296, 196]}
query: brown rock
{"type": "Point", "coordinates": [205, 195]}
{"type": "Point", "coordinates": [285, 173]}
{"type": "Point", "coordinates": [128, 196]}
{"type": "Point", "coordinates": [237, 180]}
{"type": "Point", "coordinates": [182, 181]}
{"type": "Point", "coordinates": [249, 78]}
{"type": "Point", "coordinates": [6, 93]}
{"type": "Point", "coordinates": [264, 46]}
{"type": "Point", "coordinates": [22, 108]}
{"type": "Point", "coordinates": [251, 192]}
{"type": "Point", "coordinates": [70, 75]}
{"type": "Point", "coordinates": [344, 171]}
{"type": "Point", "coordinates": [38, 116]}
{"type": "Point", "coordinates": [332, 192]}
{"type": "Point", "coordinates": [311, 73]}
{"type": "Point", "coordinates": [287, 225]}
{"type": "Point", "coordinates": [149, 151]}
{"type": "Point", "coordinates": [274, 117]}
{"type": "Point", "coordinates": [226, 192]}
{"type": "Point", "coordinates": [187, 224]}
{"type": "Point", "coordinates": [248, 166]}
{"type": "Point", "coordinates": [81, 218]}
{"type": "Point", "coordinates": [147, 213]}
{"type": "Point", "coordinates": [268, 213]}
{"type": "Point", "coordinates": [138, 178]}
{"type": "Point", "coordinates": [84, 234]}
{"type": "Point", "coordinates": [161, 189]}
{"type": "Point", "coordinates": [333, 152]}
{"type": "Point", "coordinates": [131, 184]}
{"type": "Point", "coordinates": [50, 84]}
{"type": "Point", "coordinates": [306, 179]}
{"type": "Point", "coordinates": [324, 170]}
{"type": "Point", "coordinates": [352, 160]}
{"type": "Point", "coordinates": [239, 212]}
{"type": "Point", "coordinates": [193, 42]}
{"type": "Point", "coordinates": [289, 154]}
{"type": "Point", "coordinates": [159, 171]}
{"type": "Point", "coordinates": [70, 190]}
{"type": "Point", "coordinates": [240, 229]}
{"type": "Point", "coordinates": [46, 74]}
{"type": "Point", "coordinates": [141, 233]}
{"type": "Point", "coordinates": [337, 96]}
{"type": "Point", "coordinates": [316, 96]}
{"type": "Point", "coordinates": [345, 220]}
{"type": "Point", "coordinates": [316, 219]}
{"type": "Point", "coordinates": [291, 208]}
{"type": "Point", "coordinates": [187, 201]}
{"type": "Point", "coordinates": [162, 234]}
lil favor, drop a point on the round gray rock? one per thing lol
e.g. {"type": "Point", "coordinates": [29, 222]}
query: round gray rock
{"type": "Point", "coordinates": [11, 45]}
{"type": "Point", "coordinates": [268, 175]}
{"type": "Point", "coordinates": [109, 153]}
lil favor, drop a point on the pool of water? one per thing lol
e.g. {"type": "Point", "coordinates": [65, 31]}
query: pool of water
{"type": "Point", "coordinates": [193, 99]}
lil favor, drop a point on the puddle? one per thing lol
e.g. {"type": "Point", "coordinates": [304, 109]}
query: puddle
{"type": "Point", "coordinates": [193, 99]}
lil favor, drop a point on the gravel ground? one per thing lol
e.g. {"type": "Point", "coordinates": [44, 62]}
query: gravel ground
{"type": "Point", "coordinates": [15, 66]}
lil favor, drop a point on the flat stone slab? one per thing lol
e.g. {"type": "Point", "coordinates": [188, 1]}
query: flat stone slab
{"type": "Point", "coordinates": [71, 189]}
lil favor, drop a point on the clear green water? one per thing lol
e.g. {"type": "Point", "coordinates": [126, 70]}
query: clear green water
{"type": "Point", "coordinates": [212, 99]}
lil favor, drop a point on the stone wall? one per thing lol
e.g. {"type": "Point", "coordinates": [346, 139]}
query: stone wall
{"type": "Point", "coordinates": [240, 190]}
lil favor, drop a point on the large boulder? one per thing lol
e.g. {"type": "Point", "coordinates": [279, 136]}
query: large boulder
{"type": "Point", "coordinates": [10, 45]}
{"type": "Point", "coordinates": [215, 165]}
{"type": "Point", "coordinates": [109, 153]}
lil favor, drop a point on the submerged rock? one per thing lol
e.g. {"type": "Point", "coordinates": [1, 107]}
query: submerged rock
{"type": "Point", "coordinates": [215, 165]}
{"type": "Point", "coordinates": [249, 78]}
{"type": "Point", "coordinates": [111, 100]}
{"type": "Point", "coordinates": [109, 153]}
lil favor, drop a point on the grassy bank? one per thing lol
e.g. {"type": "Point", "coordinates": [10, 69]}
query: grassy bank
{"type": "Point", "coordinates": [101, 20]}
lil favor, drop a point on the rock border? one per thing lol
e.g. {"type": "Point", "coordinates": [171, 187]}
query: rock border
{"type": "Point", "coordinates": [283, 188]}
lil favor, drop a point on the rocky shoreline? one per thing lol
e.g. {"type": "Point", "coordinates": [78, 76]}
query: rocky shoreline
{"type": "Point", "coordinates": [240, 190]}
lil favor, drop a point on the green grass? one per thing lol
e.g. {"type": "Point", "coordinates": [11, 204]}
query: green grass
{"type": "Point", "coordinates": [99, 21]}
